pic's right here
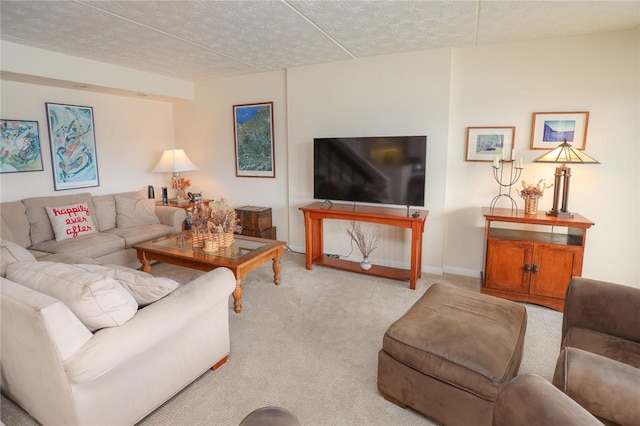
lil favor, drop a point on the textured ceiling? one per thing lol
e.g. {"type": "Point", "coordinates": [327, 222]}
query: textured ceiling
{"type": "Point", "coordinates": [198, 40]}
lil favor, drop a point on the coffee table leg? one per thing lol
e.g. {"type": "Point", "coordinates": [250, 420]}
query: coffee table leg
{"type": "Point", "coordinates": [277, 267]}
{"type": "Point", "coordinates": [146, 263]}
{"type": "Point", "coordinates": [237, 296]}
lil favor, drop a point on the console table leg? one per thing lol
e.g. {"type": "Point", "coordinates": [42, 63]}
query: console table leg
{"type": "Point", "coordinates": [237, 296]}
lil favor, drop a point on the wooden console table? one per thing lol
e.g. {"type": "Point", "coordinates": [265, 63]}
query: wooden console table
{"type": "Point", "coordinates": [315, 213]}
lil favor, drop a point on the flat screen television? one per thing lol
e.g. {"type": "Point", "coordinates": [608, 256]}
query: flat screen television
{"type": "Point", "coordinates": [386, 170]}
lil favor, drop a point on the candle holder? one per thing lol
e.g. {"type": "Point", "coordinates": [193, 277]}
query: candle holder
{"type": "Point", "coordinates": [506, 181]}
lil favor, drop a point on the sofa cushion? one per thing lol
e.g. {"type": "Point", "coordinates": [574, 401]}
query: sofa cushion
{"type": "Point", "coordinates": [12, 253]}
{"type": "Point", "coordinates": [607, 345]}
{"type": "Point", "coordinates": [145, 288]}
{"type": "Point", "coordinates": [41, 229]}
{"type": "Point", "coordinates": [14, 225]}
{"type": "Point", "coordinates": [71, 221]}
{"type": "Point", "coordinates": [131, 212]}
{"type": "Point", "coordinates": [96, 300]}
{"type": "Point", "coordinates": [105, 206]}
{"type": "Point", "coordinates": [93, 245]}
{"type": "Point", "coordinates": [138, 234]}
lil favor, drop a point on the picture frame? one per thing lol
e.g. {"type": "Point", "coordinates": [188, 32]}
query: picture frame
{"type": "Point", "coordinates": [550, 129]}
{"type": "Point", "coordinates": [74, 156]}
{"type": "Point", "coordinates": [20, 149]}
{"type": "Point", "coordinates": [486, 143]}
{"type": "Point", "coordinates": [254, 142]}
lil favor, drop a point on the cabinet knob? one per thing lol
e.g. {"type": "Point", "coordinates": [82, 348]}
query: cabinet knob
{"type": "Point", "coordinates": [527, 267]}
{"type": "Point", "coordinates": [535, 269]}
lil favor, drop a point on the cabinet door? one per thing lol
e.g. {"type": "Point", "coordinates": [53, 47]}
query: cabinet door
{"type": "Point", "coordinates": [505, 265]}
{"type": "Point", "coordinates": [555, 267]}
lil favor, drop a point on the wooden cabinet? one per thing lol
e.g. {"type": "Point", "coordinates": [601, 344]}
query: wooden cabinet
{"type": "Point", "coordinates": [315, 213]}
{"type": "Point", "coordinates": [533, 266]}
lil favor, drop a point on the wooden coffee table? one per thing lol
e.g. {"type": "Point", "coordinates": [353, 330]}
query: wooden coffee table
{"type": "Point", "coordinates": [245, 255]}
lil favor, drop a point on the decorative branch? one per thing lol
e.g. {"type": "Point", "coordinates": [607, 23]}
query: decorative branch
{"type": "Point", "coordinates": [366, 239]}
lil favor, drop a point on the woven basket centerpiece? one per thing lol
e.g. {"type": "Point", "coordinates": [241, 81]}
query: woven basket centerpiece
{"type": "Point", "coordinates": [214, 220]}
{"type": "Point", "coordinates": [224, 239]}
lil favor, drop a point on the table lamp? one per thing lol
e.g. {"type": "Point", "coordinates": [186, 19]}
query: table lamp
{"type": "Point", "coordinates": [175, 161]}
{"type": "Point", "coordinates": [563, 153]}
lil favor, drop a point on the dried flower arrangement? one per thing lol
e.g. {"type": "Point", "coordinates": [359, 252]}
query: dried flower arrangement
{"type": "Point", "coordinates": [180, 184]}
{"type": "Point", "coordinates": [222, 218]}
{"type": "Point", "coordinates": [215, 216]}
{"type": "Point", "coordinates": [366, 239]}
{"type": "Point", "coordinates": [534, 190]}
{"type": "Point", "coordinates": [199, 217]}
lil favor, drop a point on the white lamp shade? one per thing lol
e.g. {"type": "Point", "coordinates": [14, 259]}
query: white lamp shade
{"type": "Point", "coordinates": [174, 161]}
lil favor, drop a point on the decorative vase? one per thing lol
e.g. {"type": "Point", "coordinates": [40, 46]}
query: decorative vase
{"type": "Point", "coordinates": [531, 205]}
{"type": "Point", "coordinates": [365, 264]}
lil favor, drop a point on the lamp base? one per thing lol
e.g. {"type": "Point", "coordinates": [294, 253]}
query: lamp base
{"type": "Point", "coordinates": [559, 213]}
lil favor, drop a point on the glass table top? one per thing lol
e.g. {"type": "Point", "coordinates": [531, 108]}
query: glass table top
{"type": "Point", "coordinates": [239, 248]}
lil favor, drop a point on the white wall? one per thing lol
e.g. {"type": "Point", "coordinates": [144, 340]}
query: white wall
{"type": "Point", "coordinates": [205, 129]}
{"type": "Point", "coordinates": [502, 86]}
{"type": "Point", "coordinates": [130, 136]}
{"type": "Point", "coordinates": [395, 95]}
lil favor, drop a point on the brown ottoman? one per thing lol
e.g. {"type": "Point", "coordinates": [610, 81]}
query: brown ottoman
{"type": "Point", "coordinates": [451, 354]}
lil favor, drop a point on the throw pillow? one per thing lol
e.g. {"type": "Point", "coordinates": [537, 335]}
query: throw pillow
{"type": "Point", "coordinates": [145, 288]}
{"type": "Point", "coordinates": [12, 253]}
{"type": "Point", "coordinates": [71, 221]}
{"type": "Point", "coordinates": [130, 212]}
{"type": "Point", "coordinates": [96, 300]}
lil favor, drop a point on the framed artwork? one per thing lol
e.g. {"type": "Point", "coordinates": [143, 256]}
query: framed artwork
{"type": "Point", "coordinates": [73, 146]}
{"type": "Point", "coordinates": [253, 132]}
{"type": "Point", "coordinates": [487, 143]}
{"type": "Point", "coordinates": [20, 149]}
{"type": "Point", "coordinates": [550, 129]}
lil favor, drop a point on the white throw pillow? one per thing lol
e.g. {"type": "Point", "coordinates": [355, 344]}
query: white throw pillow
{"type": "Point", "coordinates": [96, 300]}
{"type": "Point", "coordinates": [12, 253]}
{"type": "Point", "coordinates": [145, 288]}
{"type": "Point", "coordinates": [130, 212]}
{"type": "Point", "coordinates": [71, 221]}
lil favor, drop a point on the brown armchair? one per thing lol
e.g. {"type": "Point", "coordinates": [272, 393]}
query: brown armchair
{"type": "Point", "coordinates": [533, 401]}
{"type": "Point", "coordinates": [599, 363]}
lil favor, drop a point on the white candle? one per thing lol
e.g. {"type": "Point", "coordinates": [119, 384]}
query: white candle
{"type": "Point", "coordinates": [495, 161]}
{"type": "Point", "coordinates": [520, 163]}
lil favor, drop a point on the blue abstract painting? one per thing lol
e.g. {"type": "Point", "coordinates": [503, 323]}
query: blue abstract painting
{"type": "Point", "coordinates": [20, 146]}
{"type": "Point", "coordinates": [73, 146]}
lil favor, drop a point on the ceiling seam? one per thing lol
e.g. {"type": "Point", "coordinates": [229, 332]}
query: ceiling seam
{"type": "Point", "coordinates": [171, 35]}
{"type": "Point", "coordinates": [326, 34]}
{"type": "Point", "coordinates": [477, 28]}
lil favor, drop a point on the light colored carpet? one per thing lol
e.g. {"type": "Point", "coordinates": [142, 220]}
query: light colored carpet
{"type": "Point", "coordinates": [310, 345]}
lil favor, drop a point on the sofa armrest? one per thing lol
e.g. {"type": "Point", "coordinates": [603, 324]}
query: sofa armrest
{"type": "Point", "coordinates": [608, 389]}
{"type": "Point", "coordinates": [530, 400]}
{"type": "Point", "coordinates": [172, 216]}
{"type": "Point", "coordinates": [203, 299]}
{"type": "Point", "coordinates": [604, 307]}
{"type": "Point", "coordinates": [38, 333]}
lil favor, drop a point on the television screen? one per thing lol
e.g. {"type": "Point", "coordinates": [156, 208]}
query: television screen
{"type": "Point", "coordinates": [387, 170]}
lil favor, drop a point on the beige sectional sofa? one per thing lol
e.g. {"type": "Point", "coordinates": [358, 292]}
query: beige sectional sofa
{"type": "Point", "coordinates": [62, 371]}
{"type": "Point", "coordinates": [121, 220]}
